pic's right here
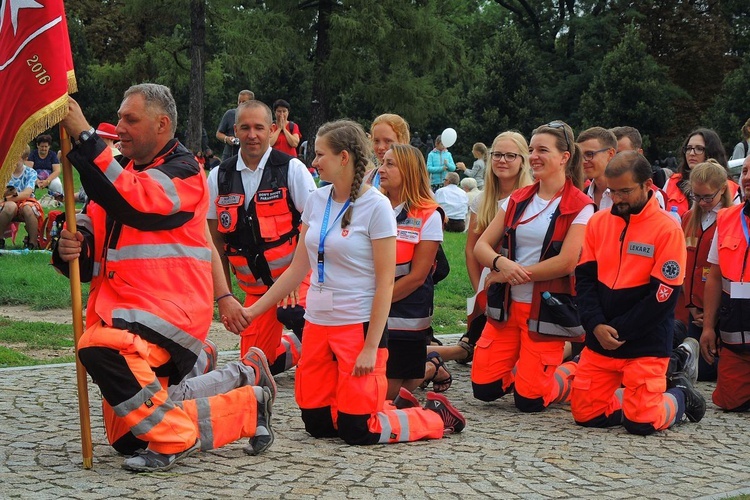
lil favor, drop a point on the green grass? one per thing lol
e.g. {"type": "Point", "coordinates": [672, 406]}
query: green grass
{"type": "Point", "coordinates": [36, 336]}
{"type": "Point", "coordinates": [451, 293]}
{"type": "Point", "coordinates": [29, 279]}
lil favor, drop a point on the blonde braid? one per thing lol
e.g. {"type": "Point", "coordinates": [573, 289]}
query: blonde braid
{"type": "Point", "coordinates": [360, 167]}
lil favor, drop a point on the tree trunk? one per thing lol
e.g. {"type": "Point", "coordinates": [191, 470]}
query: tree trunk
{"type": "Point", "coordinates": [319, 106]}
{"type": "Point", "coordinates": [197, 55]}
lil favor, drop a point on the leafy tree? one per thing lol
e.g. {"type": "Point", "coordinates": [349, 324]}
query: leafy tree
{"type": "Point", "coordinates": [631, 89]}
{"type": "Point", "coordinates": [731, 108]}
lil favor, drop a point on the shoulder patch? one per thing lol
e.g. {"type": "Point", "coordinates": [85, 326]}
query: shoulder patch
{"type": "Point", "coordinates": [663, 293]}
{"type": "Point", "coordinates": [670, 269]}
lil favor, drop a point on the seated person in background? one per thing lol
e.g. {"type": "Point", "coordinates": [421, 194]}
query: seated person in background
{"type": "Point", "coordinates": [47, 165]}
{"type": "Point", "coordinates": [469, 186]}
{"type": "Point", "coordinates": [19, 204]}
{"type": "Point", "coordinates": [454, 202]}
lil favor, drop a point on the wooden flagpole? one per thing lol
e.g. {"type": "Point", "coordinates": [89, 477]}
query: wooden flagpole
{"type": "Point", "coordinates": [77, 305]}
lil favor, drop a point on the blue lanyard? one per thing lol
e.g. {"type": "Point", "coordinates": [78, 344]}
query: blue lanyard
{"type": "Point", "coordinates": [324, 230]}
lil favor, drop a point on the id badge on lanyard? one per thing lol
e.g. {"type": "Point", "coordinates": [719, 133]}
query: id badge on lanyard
{"type": "Point", "coordinates": [320, 299]}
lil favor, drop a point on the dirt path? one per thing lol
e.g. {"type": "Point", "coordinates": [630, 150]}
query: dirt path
{"type": "Point", "coordinates": [226, 341]}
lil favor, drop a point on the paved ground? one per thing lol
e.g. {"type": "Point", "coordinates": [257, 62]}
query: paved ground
{"type": "Point", "coordinates": [501, 454]}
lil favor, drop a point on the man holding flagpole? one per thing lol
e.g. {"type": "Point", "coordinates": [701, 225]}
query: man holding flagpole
{"type": "Point", "coordinates": [142, 242]}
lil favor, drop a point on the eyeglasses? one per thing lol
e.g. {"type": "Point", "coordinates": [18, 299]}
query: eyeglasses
{"type": "Point", "coordinates": [623, 193]}
{"type": "Point", "coordinates": [589, 155]}
{"type": "Point", "coordinates": [705, 199]}
{"type": "Point", "coordinates": [698, 150]}
{"type": "Point", "coordinates": [559, 124]}
{"type": "Point", "coordinates": [509, 157]}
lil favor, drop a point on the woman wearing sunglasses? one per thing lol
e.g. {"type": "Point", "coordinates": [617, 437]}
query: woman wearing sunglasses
{"type": "Point", "coordinates": [710, 193]}
{"type": "Point", "coordinates": [701, 144]}
{"type": "Point", "coordinates": [542, 227]}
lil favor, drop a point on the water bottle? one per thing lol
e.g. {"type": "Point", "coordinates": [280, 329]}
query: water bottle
{"type": "Point", "coordinates": [53, 231]}
{"type": "Point", "coordinates": [550, 299]}
{"type": "Point", "coordinates": [675, 215]}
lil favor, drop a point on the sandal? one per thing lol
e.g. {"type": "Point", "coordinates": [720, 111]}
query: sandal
{"type": "Point", "coordinates": [469, 348]}
{"type": "Point", "coordinates": [438, 385]}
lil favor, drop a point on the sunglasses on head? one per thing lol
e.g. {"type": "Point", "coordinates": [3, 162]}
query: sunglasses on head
{"type": "Point", "coordinates": [560, 124]}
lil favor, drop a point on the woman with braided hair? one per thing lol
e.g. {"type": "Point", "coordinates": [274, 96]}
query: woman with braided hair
{"type": "Point", "coordinates": [349, 236]}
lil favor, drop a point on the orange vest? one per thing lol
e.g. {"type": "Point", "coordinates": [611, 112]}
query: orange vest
{"type": "Point", "coordinates": [676, 198]}
{"type": "Point", "coordinates": [413, 313]}
{"type": "Point", "coordinates": [146, 252]}
{"type": "Point", "coordinates": [734, 314]}
{"type": "Point", "coordinates": [260, 241]}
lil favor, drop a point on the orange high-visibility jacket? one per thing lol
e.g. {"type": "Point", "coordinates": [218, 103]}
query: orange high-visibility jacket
{"type": "Point", "coordinates": [145, 250]}
{"type": "Point", "coordinates": [629, 278]}
{"type": "Point", "coordinates": [734, 313]}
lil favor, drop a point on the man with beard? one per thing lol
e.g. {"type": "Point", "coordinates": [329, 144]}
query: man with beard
{"type": "Point", "coordinates": [627, 283]}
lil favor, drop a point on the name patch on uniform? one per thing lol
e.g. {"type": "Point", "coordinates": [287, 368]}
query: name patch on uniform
{"type": "Point", "coordinates": [408, 236]}
{"type": "Point", "coordinates": [670, 269]}
{"type": "Point", "coordinates": [266, 196]}
{"type": "Point", "coordinates": [229, 199]}
{"type": "Point", "coordinates": [642, 249]}
{"type": "Point", "coordinates": [411, 222]}
{"type": "Point", "coordinates": [663, 293]}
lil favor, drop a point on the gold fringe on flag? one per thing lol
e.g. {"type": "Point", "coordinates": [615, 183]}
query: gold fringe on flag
{"type": "Point", "coordinates": [44, 119]}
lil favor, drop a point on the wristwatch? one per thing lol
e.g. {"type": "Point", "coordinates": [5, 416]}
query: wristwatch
{"type": "Point", "coordinates": [85, 135]}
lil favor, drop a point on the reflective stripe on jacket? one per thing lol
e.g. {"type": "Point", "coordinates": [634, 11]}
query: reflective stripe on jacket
{"type": "Point", "coordinates": [259, 241]}
{"type": "Point", "coordinates": [412, 315]}
{"type": "Point", "coordinates": [734, 314]}
{"type": "Point", "coordinates": [145, 249]}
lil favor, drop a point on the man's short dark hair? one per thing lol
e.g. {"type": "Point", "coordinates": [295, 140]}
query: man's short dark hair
{"type": "Point", "coordinates": [629, 161]}
{"type": "Point", "coordinates": [605, 137]}
{"type": "Point", "coordinates": [43, 138]}
{"type": "Point", "coordinates": [280, 103]}
{"type": "Point", "coordinates": [631, 133]}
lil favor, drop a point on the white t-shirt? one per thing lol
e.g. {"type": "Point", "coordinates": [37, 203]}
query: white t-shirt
{"type": "Point", "coordinates": [530, 238]}
{"type": "Point", "coordinates": [432, 229]}
{"type": "Point", "coordinates": [348, 266]}
{"type": "Point", "coordinates": [301, 183]}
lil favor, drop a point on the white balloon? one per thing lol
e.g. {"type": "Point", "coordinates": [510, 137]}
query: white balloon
{"type": "Point", "coordinates": [448, 137]}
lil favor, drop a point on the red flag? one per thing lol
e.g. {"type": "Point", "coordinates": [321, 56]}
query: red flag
{"type": "Point", "coordinates": [36, 74]}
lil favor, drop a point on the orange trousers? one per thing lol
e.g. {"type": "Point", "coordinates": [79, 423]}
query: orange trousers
{"type": "Point", "coordinates": [642, 405]}
{"type": "Point", "coordinates": [334, 402]}
{"type": "Point", "coordinates": [506, 358]}
{"type": "Point", "coordinates": [138, 412]}
{"type": "Point", "coordinates": [732, 391]}
{"type": "Point", "coordinates": [265, 333]}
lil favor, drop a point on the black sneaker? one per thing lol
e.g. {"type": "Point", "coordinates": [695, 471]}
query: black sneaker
{"type": "Point", "coordinates": [147, 460]}
{"type": "Point", "coordinates": [684, 360]}
{"type": "Point", "coordinates": [695, 403]}
{"type": "Point", "coordinates": [263, 438]}
{"type": "Point", "coordinates": [405, 399]}
{"type": "Point", "coordinates": [453, 421]}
